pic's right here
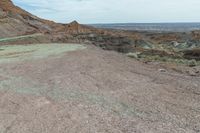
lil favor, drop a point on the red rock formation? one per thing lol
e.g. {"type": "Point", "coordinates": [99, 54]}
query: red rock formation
{"type": "Point", "coordinates": [15, 16]}
{"type": "Point", "coordinates": [8, 6]}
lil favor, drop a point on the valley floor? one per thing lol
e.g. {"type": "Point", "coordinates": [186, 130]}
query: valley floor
{"type": "Point", "coordinates": [86, 89]}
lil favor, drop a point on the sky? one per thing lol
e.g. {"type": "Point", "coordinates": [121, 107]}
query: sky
{"type": "Point", "coordinates": [114, 11]}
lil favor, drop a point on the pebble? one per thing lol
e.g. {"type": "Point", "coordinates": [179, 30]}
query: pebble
{"type": "Point", "coordinates": [162, 70]}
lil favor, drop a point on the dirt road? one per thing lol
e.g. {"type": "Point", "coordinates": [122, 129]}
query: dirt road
{"type": "Point", "coordinates": [91, 90]}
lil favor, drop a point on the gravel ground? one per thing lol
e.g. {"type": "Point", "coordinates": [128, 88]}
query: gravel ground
{"type": "Point", "coordinates": [91, 90]}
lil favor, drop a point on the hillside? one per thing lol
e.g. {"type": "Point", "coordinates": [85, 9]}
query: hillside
{"type": "Point", "coordinates": [17, 23]}
{"type": "Point", "coordinates": [58, 78]}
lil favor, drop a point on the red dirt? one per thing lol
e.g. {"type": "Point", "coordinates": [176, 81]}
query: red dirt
{"type": "Point", "coordinates": [96, 91]}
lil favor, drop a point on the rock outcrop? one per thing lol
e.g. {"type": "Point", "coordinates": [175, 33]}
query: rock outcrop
{"type": "Point", "coordinates": [16, 21]}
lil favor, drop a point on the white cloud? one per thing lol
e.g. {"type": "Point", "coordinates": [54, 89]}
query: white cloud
{"type": "Point", "coordinates": [99, 11]}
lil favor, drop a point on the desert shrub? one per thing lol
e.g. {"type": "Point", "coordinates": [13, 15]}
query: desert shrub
{"type": "Point", "coordinates": [133, 55]}
{"type": "Point", "coordinates": [180, 61]}
{"type": "Point", "coordinates": [164, 59]}
{"type": "Point", "coordinates": [192, 63]}
{"type": "Point", "coordinates": [156, 57]}
{"type": "Point", "coordinates": [192, 54]}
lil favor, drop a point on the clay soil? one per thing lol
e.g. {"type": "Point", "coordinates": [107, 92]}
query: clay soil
{"type": "Point", "coordinates": [91, 90]}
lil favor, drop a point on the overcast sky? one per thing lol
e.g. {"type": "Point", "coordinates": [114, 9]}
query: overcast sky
{"type": "Point", "coordinates": [114, 11]}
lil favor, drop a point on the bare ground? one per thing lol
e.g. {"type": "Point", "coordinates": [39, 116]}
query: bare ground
{"type": "Point", "coordinates": [92, 90]}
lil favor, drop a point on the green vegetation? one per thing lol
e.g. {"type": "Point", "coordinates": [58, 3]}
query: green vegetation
{"type": "Point", "coordinates": [176, 60]}
{"type": "Point", "coordinates": [9, 53]}
{"type": "Point", "coordinates": [183, 53]}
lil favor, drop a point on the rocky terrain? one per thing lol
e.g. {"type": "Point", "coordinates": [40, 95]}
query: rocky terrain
{"type": "Point", "coordinates": [57, 78]}
{"type": "Point", "coordinates": [17, 22]}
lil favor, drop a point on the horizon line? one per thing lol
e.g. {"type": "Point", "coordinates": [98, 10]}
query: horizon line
{"type": "Point", "coordinates": [143, 23]}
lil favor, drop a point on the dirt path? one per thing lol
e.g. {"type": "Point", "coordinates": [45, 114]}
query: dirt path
{"type": "Point", "coordinates": [91, 90]}
{"type": "Point", "coordinates": [19, 37]}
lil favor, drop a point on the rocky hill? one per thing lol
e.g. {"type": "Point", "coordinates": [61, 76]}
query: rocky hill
{"type": "Point", "coordinates": [15, 21]}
